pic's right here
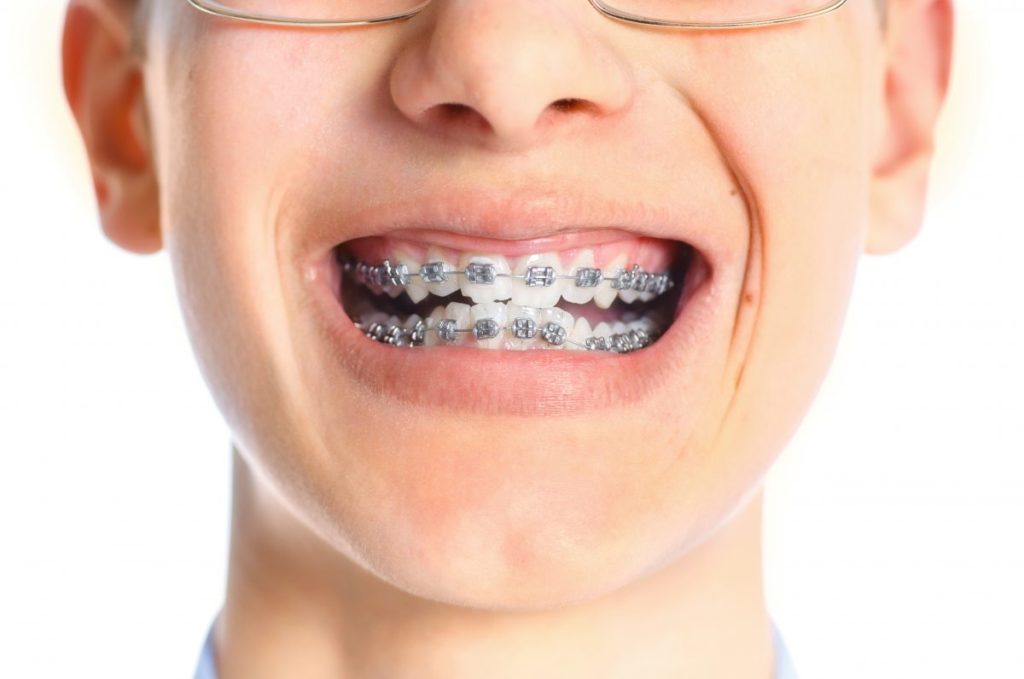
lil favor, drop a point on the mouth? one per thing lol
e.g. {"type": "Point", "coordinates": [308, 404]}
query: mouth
{"type": "Point", "coordinates": [614, 297]}
{"type": "Point", "coordinates": [518, 309]}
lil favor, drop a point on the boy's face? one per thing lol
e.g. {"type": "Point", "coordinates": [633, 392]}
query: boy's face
{"type": "Point", "coordinates": [500, 478]}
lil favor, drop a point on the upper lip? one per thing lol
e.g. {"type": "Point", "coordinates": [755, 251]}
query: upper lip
{"type": "Point", "coordinates": [485, 220]}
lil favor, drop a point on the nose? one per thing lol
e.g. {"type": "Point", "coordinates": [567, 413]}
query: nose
{"type": "Point", "coordinates": [507, 74]}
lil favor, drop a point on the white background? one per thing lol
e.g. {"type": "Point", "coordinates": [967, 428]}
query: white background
{"type": "Point", "coordinates": [894, 540]}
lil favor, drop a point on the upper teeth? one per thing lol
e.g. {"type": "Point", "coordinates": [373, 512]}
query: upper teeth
{"type": "Point", "coordinates": [536, 280]}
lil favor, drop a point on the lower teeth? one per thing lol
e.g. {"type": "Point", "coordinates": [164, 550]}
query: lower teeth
{"type": "Point", "coordinates": [553, 334]}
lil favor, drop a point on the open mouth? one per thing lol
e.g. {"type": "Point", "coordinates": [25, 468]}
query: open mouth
{"type": "Point", "coordinates": [514, 305]}
{"type": "Point", "coordinates": [617, 297]}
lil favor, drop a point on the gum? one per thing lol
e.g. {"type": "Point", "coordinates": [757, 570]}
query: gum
{"type": "Point", "coordinates": [652, 254]}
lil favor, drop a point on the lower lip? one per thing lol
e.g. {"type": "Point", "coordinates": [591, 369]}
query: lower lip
{"type": "Point", "coordinates": [523, 383]}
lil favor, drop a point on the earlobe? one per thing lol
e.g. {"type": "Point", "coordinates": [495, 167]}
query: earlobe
{"type": "Point", "coordinates": [919, 45]}
{"type": "Point", "coordinates": [103, 85]}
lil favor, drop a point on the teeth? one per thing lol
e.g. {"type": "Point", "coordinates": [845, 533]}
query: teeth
{"type": "Point", "coordinates": [540, 287]}
{"type": "Point", "coordinates": [556, 324]}
{"type": "Point", "coordinates": [456, 317]}
{"type": "Point", "coordinates": [441, 288]}
{"type": "Point", "coordinates": [629, 296]}
{"type": "Point", "coordinates": [605, 294]}
{"type": "Point", "coordinates": [415, 288]}
{"type": "Point", "coordinates": [572, 292]}
{"type": "Point", "coordinates": [492, 273]}
{"type": "Point", "coordinates": [524, 326]}
{"type": "Point", "coordinates": [580, 332]}
{"type": "Point", "coordinates": [459, 313]}
{"type": "Point", "coordinates": [533, 286]}
{"type": "Point", "coordinates": [488, 323]}
{"type": "Point", "coordinates": [537, 280]}
{"type": "Point", "coordinates": [437, 315]}
{"type": "Point", "coordinates": [494, 325]}
{"type": "Point", "coordinates": [641, 324]}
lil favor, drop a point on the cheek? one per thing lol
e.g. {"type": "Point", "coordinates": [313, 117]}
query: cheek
{"type": "Point", "coordinates": [791, 125]}
{"type": "Point", "coordinates": [233, 128]}
{"type": "Point", "coordinates": [795, 126]}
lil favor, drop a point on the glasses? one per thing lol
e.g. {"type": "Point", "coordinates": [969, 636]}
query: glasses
{"type": "Point", "coordinates": [685, 14]}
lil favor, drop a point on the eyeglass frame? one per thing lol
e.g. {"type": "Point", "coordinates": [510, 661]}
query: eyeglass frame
{"type": "Point", "coordinates": [600, 5]}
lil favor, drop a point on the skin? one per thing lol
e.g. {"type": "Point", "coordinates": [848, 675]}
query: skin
{"type": "Point", "coordinates": [372, 538]}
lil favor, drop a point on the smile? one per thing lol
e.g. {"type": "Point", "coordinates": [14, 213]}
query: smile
{"type": "Point", "coordinates": [410, 294]}
{"type": "Point", "coordinates": [521, 305]}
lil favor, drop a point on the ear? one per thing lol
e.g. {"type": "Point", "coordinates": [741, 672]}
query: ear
{"type": "Point", "coordinates": [919, 45]}
{"type": "Point", "coordinates": [103, 84]}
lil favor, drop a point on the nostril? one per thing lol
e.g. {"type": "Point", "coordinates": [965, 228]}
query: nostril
{"type": "Point", "coordinates": [567, 105]}
{"type": "Point", "coordinates": [454, 110]}
{"type": "Point", "coordinates": [454, 118]}
{"type": "Point", "coordinates": [573, 106]}
{"type": "Point", "coordinates": [450, 114]}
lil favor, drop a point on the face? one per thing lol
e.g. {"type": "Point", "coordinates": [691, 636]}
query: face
{"type": "Point", "coordinates": [514, 473]}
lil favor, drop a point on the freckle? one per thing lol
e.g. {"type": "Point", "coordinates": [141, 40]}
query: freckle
{"type": "Point", "coordinates": [734, 192]}
{"type": "Point", "coordinates": [748, 297]}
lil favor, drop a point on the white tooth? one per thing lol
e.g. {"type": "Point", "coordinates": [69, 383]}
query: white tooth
{"type": "Point", "coordinates": [640, 324]}
{"type": "Point", "coordinates": [492, 310]}
{"type": "Point", "coordinates": [628, 296]}
{"type": "Point", "coordinates": [431, 339]}
{"type": "Point", "coordinates": [559, 316]}
{"type": "Point", "coordinates": [411, 322]}
{"type": "Point", "coordinates": [444, 288]}
{"type": "Point", "coordinates": [619, 327]}
{"type": "Point", "coordinates": [501, 289]}
{"type": "Point", "coordinates": [602, 329]}
{"type": "Point", "coordinates": [605, 294]}
{"type": "Point", "coordinates": [580, 332]}
{"type": "Point", "coordinates": [514, 311]}
{"type": "Point", "coordinates": [415, 288]}
{"type": "Point", "coordinates": [460, 314]}
{"type": "Point", "coordinates": [571, 293]}
{"type": "Point", "coordinates": [537, 296]}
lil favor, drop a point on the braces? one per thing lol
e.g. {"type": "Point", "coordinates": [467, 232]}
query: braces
{"type": "Point", "coordinates": [397, 275]}
{"type": "Point", "coordinates": [487, 328]}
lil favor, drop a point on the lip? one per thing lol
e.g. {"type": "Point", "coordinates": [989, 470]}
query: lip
{"type": "Point", "coordinates": [510, 383]}
{"type": "Point", "coordinates": [515, 222]}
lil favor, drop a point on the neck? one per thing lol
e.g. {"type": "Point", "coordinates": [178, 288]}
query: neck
{"type": "Point", "coordinates": [295, 606]}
